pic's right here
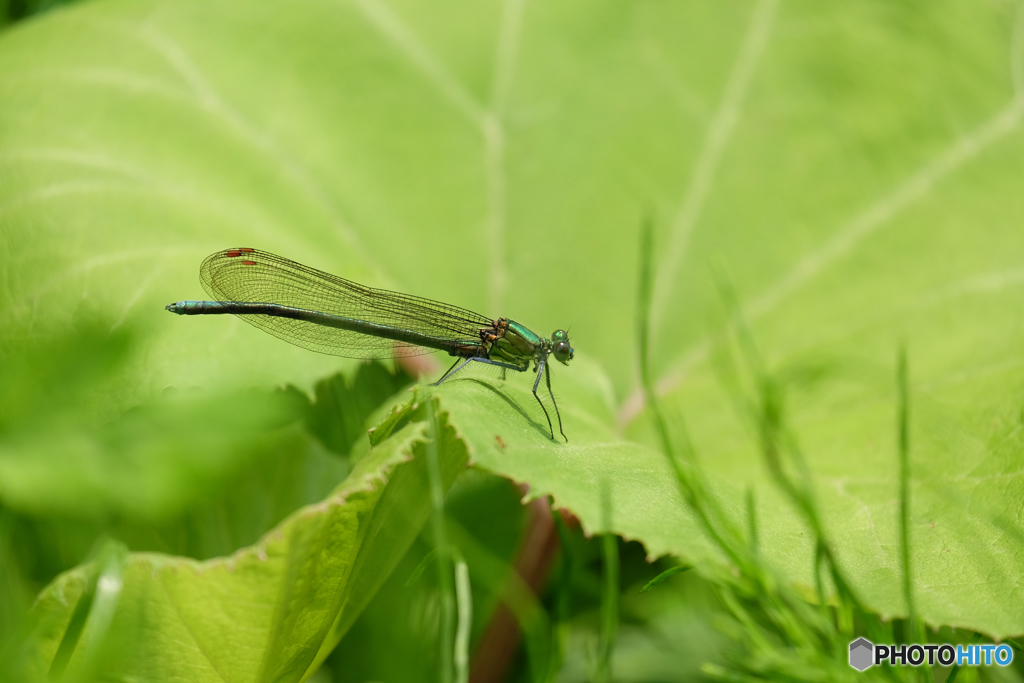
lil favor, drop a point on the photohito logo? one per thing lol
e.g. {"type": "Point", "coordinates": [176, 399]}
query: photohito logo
{"type": "Point", "coordinates": [864, 653]}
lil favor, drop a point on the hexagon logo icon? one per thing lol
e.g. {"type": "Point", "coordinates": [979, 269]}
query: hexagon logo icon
{"type": "Point", "coordinates": [861, 651]}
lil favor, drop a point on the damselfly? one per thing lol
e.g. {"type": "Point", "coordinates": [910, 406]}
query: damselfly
{"type": "Point", "coordinates": [329, 314]}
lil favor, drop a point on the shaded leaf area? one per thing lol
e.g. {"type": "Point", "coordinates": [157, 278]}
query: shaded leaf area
{"type": "Point", "coordinates": [189, 474]}
{"type": "Point", "coordinates": [17, 10]}
{"type": "Point", "coordinates": [268, 611]}
{"type": "Point", "coordinates": [485, 523]}
{"type": "Point", "coordinates": [342, 404]}
{"type": "Point", "coordinates": [66, 450]}
{"type": "Point", "coordinates": [666, 635]}
{"type": "Point", "coordinates": [192, 473]}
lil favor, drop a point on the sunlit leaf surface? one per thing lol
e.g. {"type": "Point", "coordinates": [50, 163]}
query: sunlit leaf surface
{"type": "Point", "coordinates": [853, 172]}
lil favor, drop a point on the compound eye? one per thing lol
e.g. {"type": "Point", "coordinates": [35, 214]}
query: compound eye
{"type": "Point", "coordinates": [559, 336]}
{"type": "Point", "coordinates": [563, 352]}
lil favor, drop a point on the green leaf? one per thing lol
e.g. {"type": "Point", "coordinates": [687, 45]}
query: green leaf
{"type": "Point", "coordinates": [269, 611]}
{"type": "Point", "coordinates": [67, 449]}
{"type": "Point", "coordinates": [852, 170]}
{"type": "Point", "coordinates": [507, 434]}
{"type": "Point", "coordinates": [485, 523]}
{"type": "Point", "coordinates": [344, 403]}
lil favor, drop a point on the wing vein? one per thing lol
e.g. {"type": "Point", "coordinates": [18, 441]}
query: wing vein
{"type": "Point", "coordinates": [261, 277]}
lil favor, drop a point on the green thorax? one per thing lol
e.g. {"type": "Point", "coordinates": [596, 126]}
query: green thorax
{"type": "Point", "coordinates": [515, 343]}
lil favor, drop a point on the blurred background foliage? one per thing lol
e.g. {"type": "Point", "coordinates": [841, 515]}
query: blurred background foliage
{"type": "Point", "coordinates": [851, 172]}
{"type": "Point", "coordinates": [16, 10]}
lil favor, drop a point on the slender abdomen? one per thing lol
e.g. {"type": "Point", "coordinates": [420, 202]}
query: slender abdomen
{"type": "Point", "coordinates": [454, 347]}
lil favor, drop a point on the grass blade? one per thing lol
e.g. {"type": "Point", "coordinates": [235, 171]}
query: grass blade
{"type": "Point", "coordinates": [444, 560]}
{"type": "Point", "coordinates": [668, 573]}
{"type": "Point", "coordinates": [609, 608]}
{"type": "Point", "coordinates": [464, 600]}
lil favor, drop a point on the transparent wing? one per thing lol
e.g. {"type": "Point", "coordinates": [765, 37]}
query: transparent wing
{"type": "Point", "coordinates": [251, 275]}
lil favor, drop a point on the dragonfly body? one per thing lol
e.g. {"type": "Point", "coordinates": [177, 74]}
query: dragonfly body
{"type": "Point", "coordinates": [316, 317]}
{"type": "Point", "coordinates": [328, 314]}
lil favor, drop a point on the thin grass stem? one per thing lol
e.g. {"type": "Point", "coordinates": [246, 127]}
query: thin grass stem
{"type": "Point", "coordinates": [560, 614]}
{"type": "Point", "coordinates": [954, 670]}
{"type": "Point", "coordinates": [755, 547]}
{"type": "Point", "coordinates": [495, 574]}
{"type": "Point", "coordinates": [668, 573]}
{"type": "Point", "coordinates": [464, 600]}
{"type": "Point", "coordinates": [903, 428]}
{"type": "Point", "coordinates": [609, 608]}
{"type": "Point", "coordinates": [688, 479]}
{"type": "Point", "coordinates": [915, 626]}
{"type": "Point", "coordinates": [444, 562]}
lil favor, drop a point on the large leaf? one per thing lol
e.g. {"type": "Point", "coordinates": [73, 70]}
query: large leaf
{"type": "Point", "coordinates": [611, 484]}
{"type": "Point", "coordinates": [851, 170]}
{"type": "Point", "coordinates": [267, 612]}
{"type": "Point", "coordinates": [67, 450]}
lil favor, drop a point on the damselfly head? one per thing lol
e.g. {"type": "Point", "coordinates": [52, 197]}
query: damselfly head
{"type": "Point", "coordinates": [562, 349]}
